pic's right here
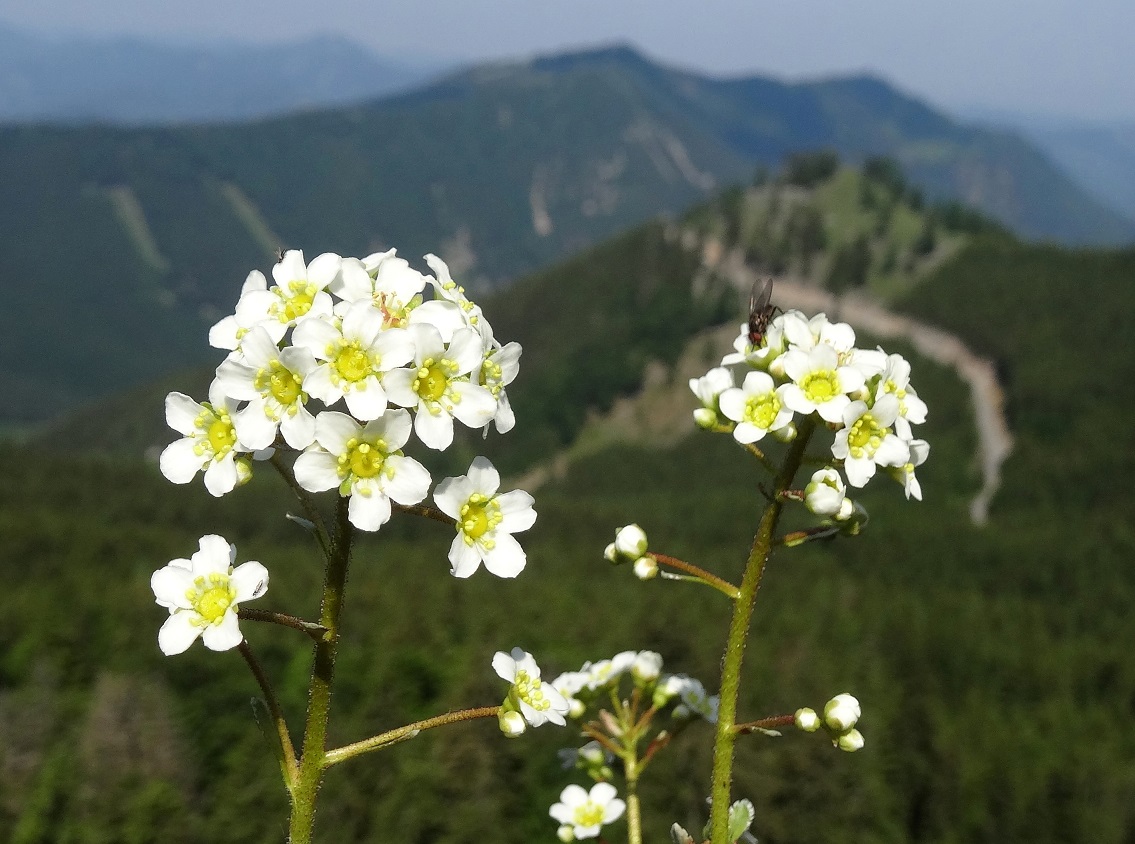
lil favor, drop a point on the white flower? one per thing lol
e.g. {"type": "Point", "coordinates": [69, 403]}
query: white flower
{"type": "Point", "coordinates": [272, 382]}
{"type": "Point", "coordinates": [448, 291]}
{"type": "Point", "coordinates": [298, 294]}
{"type": "Point", "coordinates": [499, 367]}
{"type": "Point", "coordinates": [569, 684]}
{"type": "Point", "coordinates": [645, 568]}
{"type": "Point", "coordinates": [708, 389]}
{"type": "Point", "coordinates": [821, 384]}
{"type": "Point", "coordinates": [630, 542]}
{"type": "Point", "coordinates": [438, 386]}
{"type": "Point", "coordinates": [919, 451]}
{"type": "Point", "coordinates": [895, 380]}
{"type": "Point", "coordinates": [866, 440]}
{"type": "Point", "coordinates": [698, 701]}
{"type": "Point", "coordinates": [537, 701]}
{"type": "Point", "coordinates": [250, 312]}
{"type": "Point", "coordinates": [758, 406]}
{"type": "Point", "coordinates": [607, 671]}
{"type": "Point", "coordinates": [825, 494]}
{"type": "Point", "coordinates": [586, 812]}
{"type": "Point", "coordinates": [842, 712]}
{"type": "Point", "coordinates": [647, 666]}
{"type": "Point", "coordinates": [356, 354]}
{"type": "Point", "coordinates": [387, 282]}
{"type": "Point", "coordinates": [485, 521]}
{"type": "Point", "coordinates": [365, 463]}
{"type": "Point", "coordinates": [203, 594]}
{"type": "Point", "coordinates": [210, 442]}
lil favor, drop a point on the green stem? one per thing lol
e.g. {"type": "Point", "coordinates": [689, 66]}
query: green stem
{"type": "Point", "coordinates": [288, 760]}
{"type": "Point", "coordinates": [315, 631]}
{"type": "Point", "coordinates": [723, 586]}
{"type": "Point", "coordinates": [341, 754]}
{"type": "Point", "coordinates": [738, 635]}
{"type": "Point", "coordinates": [312, 762]}
{"type": "Point", "coordinates": [634, 809]}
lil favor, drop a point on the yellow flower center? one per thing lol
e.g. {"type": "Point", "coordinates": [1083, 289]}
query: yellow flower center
{"type": "Point", "coordinates": [491, 375]}
{"type": "Point", "coordinates": [820, 386]}
{"type": "Point", "coordinates": [865, 436]}
{"type": "Point", "coordinates": [363, 459]}
{"type": "Point", "coordinates": [528, 690]}
{"type": "Point", "coordinates": [394, 313]}
{"type": "Point", "coordinates": [296, 298]}
{"type": "Point", "coordinates": [589, 814]}
{"type": "Point", "coordinates": [218, 431]}
{"type": "Point", "coordinates": [479, 515]}
{"type": "Point", "coordinates": [211, 597]}
{"type": "Point", "coordinates": [351, 363]}
{"type": "Point", "coordinates": [762, 410]}
{"type": "Point", "coordinates": [280, 382]}
{"type": "Point", "coordinates": [432, 379]}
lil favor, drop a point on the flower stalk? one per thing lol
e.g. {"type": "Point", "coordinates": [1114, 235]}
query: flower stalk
{"type": "Point", "coordinates": [726, 734]}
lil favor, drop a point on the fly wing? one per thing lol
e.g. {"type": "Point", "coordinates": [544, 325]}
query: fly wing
{"type": "Point", "coordinates": [760, 297]}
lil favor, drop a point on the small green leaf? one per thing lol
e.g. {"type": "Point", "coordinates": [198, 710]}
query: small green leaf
{"type": "Point", "coordinates": [741, 815]}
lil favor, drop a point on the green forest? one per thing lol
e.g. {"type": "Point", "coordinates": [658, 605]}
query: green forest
{"type": "Point", "coordinates": [992, 663]}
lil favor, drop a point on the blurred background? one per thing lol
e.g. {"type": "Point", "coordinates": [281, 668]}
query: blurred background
{"type": "Point", "coordinates": [956, 179]}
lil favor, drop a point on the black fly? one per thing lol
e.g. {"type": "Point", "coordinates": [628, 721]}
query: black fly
{"type": "Point", "coordinates": [760, 311]}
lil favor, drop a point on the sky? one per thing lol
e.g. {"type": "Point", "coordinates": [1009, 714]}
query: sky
{"type": "Point", "coordinates": [1058, 58]}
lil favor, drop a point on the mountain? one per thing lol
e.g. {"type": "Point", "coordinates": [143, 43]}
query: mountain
{"type": "Point", "coordinates": [131, 80]}
{"type": "Point", "coordinates": [1100, 155]}
{"type": "Point", "coordinates": [122, 244]}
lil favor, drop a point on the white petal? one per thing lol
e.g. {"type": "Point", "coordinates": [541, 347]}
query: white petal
{"type": "Point", "coordinates": [465, 350]}
{"type": "Point", "coordinates": [250, 581]}
{"type": "Point", "coordinates": [436, 431]}
{"type": "Point", "coordinates": [451, 495]}
{"type": "Point", "coordinates": [476, 406]}
{"type": "Point", "coordinates": [317, 471]}
{"type": "Point", "coordinates": [221, 476]}
{"type": "Point", "coordinates": [486, 479]}
{"type": "Point", "coordinates": [334, 429]}
{"type": "Point", "coordinates": [832, 409]}
{"type": "Point", "coordinates": [368, 400]}
{"type": "Point", "coordinates": [170, 585]}
{"type": "Point", "coordinates": [504, 418]}
{"type": "Point", "coordinates": [181, 412]}
{"type": "Point", "coordinates": [399, 387]}
{"type": "Point", "coordinates": [179, 461]}
{"type": "Point", "coordinates": [323, 269]}
{"type": "Point", "coordinates": [178, 633]}
{"type": "Point", "coordinates": [368, 512]}
{"type": "Point", "coordinates": [253, 427]}
{"type": "Point", "coordinates": [506, 558]}
{"type": "Point", "coordinates": [393, 427]}
{"type": "Point", "coordinates": [505, 666]}
{"type": "Point", "coordinates": [516, 511]}
{"type": "Point", "coordinates": [445, 317]}
{"type": "Point", "coordinates": [464, 559]}
{"type": "Point", "coordinates": [411, 481]}
{"type": "Point", "coordinates": [223, 636]}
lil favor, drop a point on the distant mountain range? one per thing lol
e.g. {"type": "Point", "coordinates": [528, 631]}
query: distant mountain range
{"type": "Point", "coordinates": [131, 80]}
{"type": "Point", "coordinates": [120, 245]}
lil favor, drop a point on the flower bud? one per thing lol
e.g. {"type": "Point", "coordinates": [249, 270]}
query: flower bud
{"type": "Point", "coordinates": [855, 521]}
{"type": "Point", "coordinates": [647, 666]}
{"type": "Point", "coordinates": [825, 493]}
{"type": "Point", "coordinates": [846, 510]}
{"type": "Point", "coordinates": [786, 433]}
{"type": "Point", "coordinates": [706, 418]}
{"type": "Point", "coordinates": [511, 722]}
{"type": "Point", "coordinates": [850, 741]}
{"type": "Point", "coordinates": [841, 713]}
{"type": "Point", "coordinates": [566, 833]}
{"type": "Point", "coordinates": [670, 686]}
{"type": "Point", "coordinates": [609, 553]}
{"type": "Point", "coordinates": [630, 541]}
{"type": "Point", "coordinates": [645, 568]}
{"type": "Point", "coordinates": [807, 720]}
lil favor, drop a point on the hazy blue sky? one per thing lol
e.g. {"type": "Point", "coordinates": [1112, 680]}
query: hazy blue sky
{"type": "Point", "coordinates": [1061, 57]}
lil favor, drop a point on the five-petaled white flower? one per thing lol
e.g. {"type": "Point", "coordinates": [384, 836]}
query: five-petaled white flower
{"type": "Point", "coordinates": [499, 367]}
{"type": "Point", "coordinates": [757, 406]}
{"type": "Point", "coordinates": [820, 383]}
{"type": "Point", "coordinates": [485, 521]}
{"type": "Point", "coordinates": [364, 462]}
{"type": "Point", "coordinates": [355, 353]}
{"type": "Point", "coordinates": [895, 380]}
{"type": "Point", "coordinates": [538, 702]}
{"type": "Point", "coordinates": [203, 594]}
{"type": "Point", "coordinates": [300, 292]}
{"type": "Point", "coordinates": [585, 812]}
{"type": "Point", "coordinates": [210, 442]}
{"type": "Point", "coordinates": [438, 386]}
{"type": "Point", "coordinates": [866, 440]}
{"type": "Point", "coordinates": [271, 380]}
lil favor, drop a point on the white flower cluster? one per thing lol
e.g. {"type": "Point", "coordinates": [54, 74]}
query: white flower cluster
{"type": "Point", "coordinates": [363, 336]}
{"type": "Point", "coordinates": [811, 366]}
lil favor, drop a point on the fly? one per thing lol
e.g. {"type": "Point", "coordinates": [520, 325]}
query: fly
{"type": "Point", "coordinates": [760, 311]}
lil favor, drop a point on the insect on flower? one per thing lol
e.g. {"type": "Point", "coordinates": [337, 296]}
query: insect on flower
{"type": "Point", "coordinates": [760, 310]}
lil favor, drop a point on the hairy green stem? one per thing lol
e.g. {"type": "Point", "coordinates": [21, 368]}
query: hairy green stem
{"type": "Point", "coordinates": [634, 809]}
{"type": "Point", "coordinates": [315, 631]}
{"type": "Point", "coordinates": [738, 635]}
{"type": "Point", "coordinates": [312, 762]}
{"type": "Point", "coordinates": [696, 573]}
{"type": "Point", "coordinates": [348, 751]}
